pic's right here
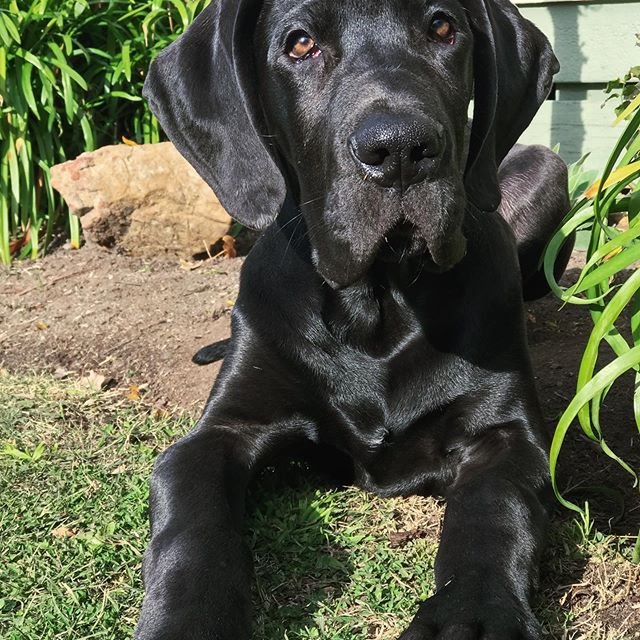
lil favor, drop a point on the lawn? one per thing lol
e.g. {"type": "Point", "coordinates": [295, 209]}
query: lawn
{"type": "Point", "coordinates": [330, 564]}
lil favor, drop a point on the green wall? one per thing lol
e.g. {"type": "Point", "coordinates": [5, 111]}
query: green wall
{"type": "Point", "coordinates": [595, 42]}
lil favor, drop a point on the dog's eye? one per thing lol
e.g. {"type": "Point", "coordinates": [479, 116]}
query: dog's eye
{"type": "Point", "coordinates": [300, 46]}
{"type": "Point", "coordinates": [441, 29]}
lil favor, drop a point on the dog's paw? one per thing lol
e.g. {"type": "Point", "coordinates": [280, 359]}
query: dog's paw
{"type": "Point", "coordinates": [457, 614]}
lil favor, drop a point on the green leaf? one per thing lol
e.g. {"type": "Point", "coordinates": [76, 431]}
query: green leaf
{"type": "Point", "coordinates": [9, 33]}
{"type": "Point", "coordinates": [602, 327]}
{"type": "Point", "coordinates": [3, 75]}
{"type": "Point", "coordinates": [5, 254]}
{"type": "Point", "coordinates": [126, 60]}
{"type": "Point", "coordinates": [633, 105]}
{"type": "Point", "coordinates": [79, 7]}
{"type": "Point", "coordinates": [87, 132]}
{"type": "Point", "coordinates": [634, 205]}
{"type": "Point", "coordinates": [608, 269]}
{"type": "Point", "coordinates": [626, 137]}
{"type": "Point", "coordinates": [11, 451]}
{"type": "Point", "coordinates": [182, 11]}
{"type": "Point", "coordinates": [603, 378]}
{"type": "Point", "coordinates": [70, 104]}
{"type": "Point", "coordinates": [60, 61]}
{"type": "Point", "coordinates": [25, 71]}
{"type": "Point", "coordinates": [14, 172]}
{"type": "Point", "coordinates": [579, 215]}
{"type": "Point", "coordinates": [125, 96]}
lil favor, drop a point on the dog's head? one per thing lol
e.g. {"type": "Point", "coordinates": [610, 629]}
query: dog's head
{"type": "Point", "coordinates": [359, 110]}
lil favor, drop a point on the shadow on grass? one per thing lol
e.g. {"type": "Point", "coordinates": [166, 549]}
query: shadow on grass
{"type": "Point", "coordinates": [301, 568]}
{"type": "Point", "coordinates": [336, 562]}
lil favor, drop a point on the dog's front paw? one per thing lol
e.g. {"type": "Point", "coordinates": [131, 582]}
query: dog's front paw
{"type": "Point", "coordinates": [473, 614]}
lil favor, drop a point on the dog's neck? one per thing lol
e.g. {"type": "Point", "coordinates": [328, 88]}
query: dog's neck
{"type": "Point", "coordinates": [366, 314]}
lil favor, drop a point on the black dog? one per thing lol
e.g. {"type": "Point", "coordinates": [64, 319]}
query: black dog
{"type": "Point", "coordinates": [380, 316]}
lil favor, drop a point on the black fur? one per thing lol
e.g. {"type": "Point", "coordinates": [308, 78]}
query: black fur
{"type": "Point", "coordinates": [380, 315]}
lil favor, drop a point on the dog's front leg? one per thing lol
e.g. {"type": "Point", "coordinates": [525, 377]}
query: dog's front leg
{"type": "Point", "coordinates": [487, 564]}
{"type": "Point", "coordinates": [197, 569]}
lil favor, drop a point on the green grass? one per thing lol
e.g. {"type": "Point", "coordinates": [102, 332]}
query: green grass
{"type": "Point", "coordinates": [73, 522]}
{"type": "Point", "coordinates": [330, 564]}
{"type": "Point", "coordinates": [74, 525]}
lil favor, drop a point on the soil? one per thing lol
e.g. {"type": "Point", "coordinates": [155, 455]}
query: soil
{"type": "Point", "coordinates": [133, 321]}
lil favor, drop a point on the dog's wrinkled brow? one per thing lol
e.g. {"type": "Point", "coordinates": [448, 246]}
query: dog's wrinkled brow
{"type": "Point", "coordinates": [289, 12]}
{"type": "Point", "coordinates": [325, 14]}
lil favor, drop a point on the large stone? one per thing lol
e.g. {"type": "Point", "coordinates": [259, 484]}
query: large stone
{"type": "Point", "coordinates": [145, 199]}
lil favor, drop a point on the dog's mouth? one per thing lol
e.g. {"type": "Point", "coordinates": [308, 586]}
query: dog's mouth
{"type": "Point", "coordinates": [423, 225]}
{"type": "Point", "coordinates": [404, 242]}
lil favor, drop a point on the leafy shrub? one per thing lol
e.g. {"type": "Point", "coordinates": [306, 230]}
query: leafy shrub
{"type": "Point", "coordinates": [626, 89]}
{"type": "Point", "coordinates": [71, 74]}
{"type": "Point", "coordinates": [612, 250]}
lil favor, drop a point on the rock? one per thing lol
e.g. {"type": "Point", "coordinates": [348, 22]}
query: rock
{"type": "Point", "coordinates": [144, 199]}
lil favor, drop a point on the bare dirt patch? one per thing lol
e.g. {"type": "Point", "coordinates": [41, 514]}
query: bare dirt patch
{"type": "Point", "coordinates": [130, 320]}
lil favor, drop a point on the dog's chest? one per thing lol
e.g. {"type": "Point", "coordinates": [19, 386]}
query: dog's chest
{"type": "Point", "coordinates": [379, 395]}
{"type": "Point", "coordinates": [389, 371]}
{"type": "Point", "coordinates": [400, 418]}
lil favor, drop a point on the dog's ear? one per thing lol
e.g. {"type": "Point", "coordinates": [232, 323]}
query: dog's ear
{"type": "Point", "coordinates": [514, 67]}
{"type": "Point", "coordinates": [202, 89]}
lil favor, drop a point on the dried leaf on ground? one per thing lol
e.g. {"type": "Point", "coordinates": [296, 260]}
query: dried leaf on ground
{"type": "Point", "coordinates": [94, 381]}
{"type": "Point", "coordinates": [229, 247]}
{"type": "Point", "coordinates": [63, 532]}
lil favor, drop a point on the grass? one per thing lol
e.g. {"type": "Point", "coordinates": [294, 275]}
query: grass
{"type": "Point", "coordinates": [330, 564]}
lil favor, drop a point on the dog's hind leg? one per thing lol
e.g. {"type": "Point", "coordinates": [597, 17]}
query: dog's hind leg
{"type": "Point", "coordinates": [533, 181]}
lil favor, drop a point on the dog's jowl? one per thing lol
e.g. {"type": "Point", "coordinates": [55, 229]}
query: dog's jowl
{"type": "Point", "coordinates": [380, 316]}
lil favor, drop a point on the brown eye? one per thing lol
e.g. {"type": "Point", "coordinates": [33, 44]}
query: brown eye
{"type": "Point", "coordinates": [442, 29]}
{"type": "Point", "coordinates": [301, 46]}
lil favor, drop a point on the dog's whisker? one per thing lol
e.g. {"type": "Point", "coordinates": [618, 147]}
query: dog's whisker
{"type": "Point", "coordinates": [303, 204]}
{"type": "Point", "coordinates": [291, 236]}
{"type": "Point", "coordinates": [293, 219]}
{"type": "Point", "coordinates": [419, 272]}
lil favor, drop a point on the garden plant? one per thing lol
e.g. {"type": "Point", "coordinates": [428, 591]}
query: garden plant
{"type": "Point", "coordinates": [609, 282]}
{"type": "Point", "coordinates": [71, 75]}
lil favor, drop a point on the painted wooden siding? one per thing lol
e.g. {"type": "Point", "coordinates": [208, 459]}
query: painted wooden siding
{"type": "Point", "coordinates": [595, 42]}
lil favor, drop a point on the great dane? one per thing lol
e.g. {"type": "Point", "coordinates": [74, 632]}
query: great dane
{"type": "Point", "coordinates": [380, 316]}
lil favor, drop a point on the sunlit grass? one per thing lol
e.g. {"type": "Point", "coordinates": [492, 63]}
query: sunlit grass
{"type": "Point", "coordinates": [331, 564]}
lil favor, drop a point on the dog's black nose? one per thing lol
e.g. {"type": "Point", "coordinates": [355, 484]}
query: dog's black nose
{"type": "Point", "coordinates": [397, 150]}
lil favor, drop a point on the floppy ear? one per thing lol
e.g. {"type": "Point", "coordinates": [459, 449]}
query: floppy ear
{"type": "Point", "coordinates": [202, 90]}
{"type": "Point", "coordinates": [514, 67]}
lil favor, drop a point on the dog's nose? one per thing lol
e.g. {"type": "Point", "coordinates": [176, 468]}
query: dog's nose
{"type": "Point", "coordinates": [397, 150]}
